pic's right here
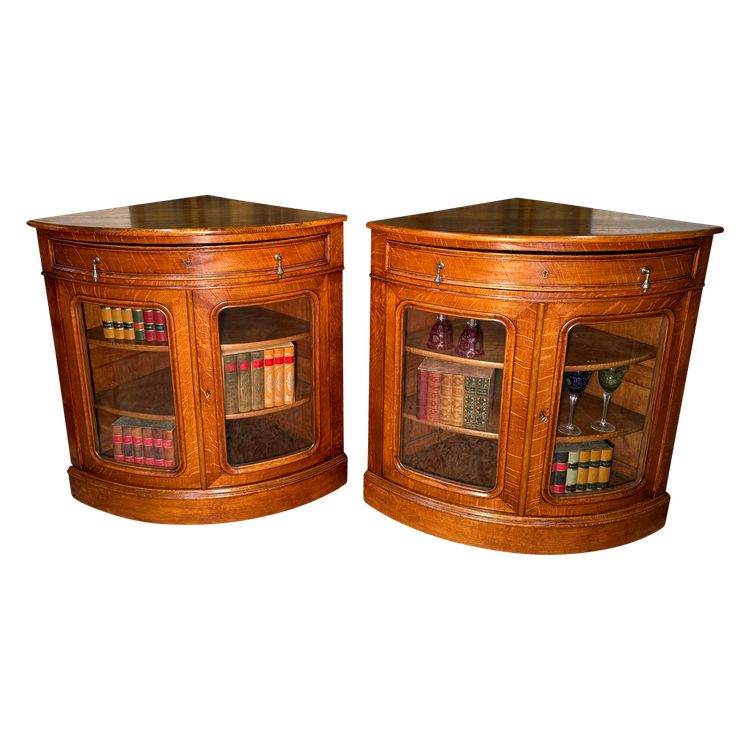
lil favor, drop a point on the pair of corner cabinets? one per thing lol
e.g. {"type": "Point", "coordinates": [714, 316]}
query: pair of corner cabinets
{"type": "Point", "coordinates": [162, 312]}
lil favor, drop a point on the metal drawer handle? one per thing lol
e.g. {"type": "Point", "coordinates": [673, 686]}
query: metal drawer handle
{"type": "Point", "coordinates": [646, 285]}
{"type": "Point", "coordinates": [95, 262]}
{"type": "Point", "coordinates": [439, 268]}
{"type": "Point", "coordinates": [279, 267]}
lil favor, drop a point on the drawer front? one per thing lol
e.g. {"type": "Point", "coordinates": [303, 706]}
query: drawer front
{"type": "Point", "coordinates": [524, 271]}
{"type": "Point", "coordinates": [259, 259]}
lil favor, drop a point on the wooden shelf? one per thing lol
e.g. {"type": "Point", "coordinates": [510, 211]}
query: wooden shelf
{"type": "Point", "coordinates": [589, 409]}
{"type": "Point", "coordinates": [304, 391]}
{"type": "Point", "coordinates": [95, 337]}
{"type": "Point", "coordinates": [147, 397]}
{"type": "Point", "coordinates": [591, 349]}
{"type": "Point", "coordinates": [246, 328]}
{"type": "Point", "coordinates": [494, 344]}
{"type": "Point", "coordinates": [410, 413]}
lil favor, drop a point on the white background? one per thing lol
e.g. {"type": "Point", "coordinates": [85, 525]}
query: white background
{"type": "Point", "coordinates": [332, 626]}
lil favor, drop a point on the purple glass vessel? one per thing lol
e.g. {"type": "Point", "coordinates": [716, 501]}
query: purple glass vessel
{"type": "Point", "coordinates": [441, 335]}
{"type": "Point", "coordinates": [471, 343]}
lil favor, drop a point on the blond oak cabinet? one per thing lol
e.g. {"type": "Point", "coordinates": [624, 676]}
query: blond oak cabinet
{"type": "Point", "coordinates": [198, 345]}
{"type": "Point", "coordinates": [531, 357]}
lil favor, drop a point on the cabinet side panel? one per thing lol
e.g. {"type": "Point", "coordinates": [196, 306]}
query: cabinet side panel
{"type": "Point", "coordinates": [336, 373]}
{"type": "Point", "coordinates": [377, 358]}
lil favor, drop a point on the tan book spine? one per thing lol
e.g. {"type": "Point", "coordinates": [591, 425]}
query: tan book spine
{"type": "Point", "coordinates": [446, 397]}
{"type": "Point", "coordinates": [289, 380]}
{"type": "Point", "coordinates": [244, 382]}
{"type": "Point", "coordinates": [278, 376]}
{"type": "Point", "coordinates": [108, 326]}
{"type": "Point", "coordinates": [128, 328]}
{"type": "Point", "coordinates": [268, 378]}
{"type": "Point", "coordinates": [117, 323]}
{"type": "Point", "coordinates": [457, 416]}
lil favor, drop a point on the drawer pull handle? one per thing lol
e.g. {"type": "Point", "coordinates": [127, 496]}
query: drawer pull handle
{"type": "Point", "coordinates": [646, 285]}
{"type": "Point", "coordinates": [279, 267]}
{"type": "Point", "coordinates": [438, 278]}
{"type": "Point", "coordinates": [95, 263]}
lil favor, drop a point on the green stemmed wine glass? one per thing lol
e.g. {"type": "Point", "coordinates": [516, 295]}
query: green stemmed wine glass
{"type": "Point", "coordinates": [610, 380]}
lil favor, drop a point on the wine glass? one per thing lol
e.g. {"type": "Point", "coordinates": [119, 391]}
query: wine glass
{"type": "Point", "coordinates": [609, 380]}
{"type": "Point", "coordinates": [576, 382]}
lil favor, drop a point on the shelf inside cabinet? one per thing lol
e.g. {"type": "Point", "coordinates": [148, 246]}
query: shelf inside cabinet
{"type": "Point", "coordinates": [592, 349]}
{"type": "Point", "coordinates": [95, 337]}
{"type": "Point", "coordinates": [410, 413]}
{"type": "Point", "coordinates": [246, 328]}
{"type": "Point", "coordinates": [494, 344]}
{"type": "Point", "coordinates": [589, 409]}
{"type": "Point", "coordinates": [147, 397]}
{"type": "Point", "coordinates": [303, 395]}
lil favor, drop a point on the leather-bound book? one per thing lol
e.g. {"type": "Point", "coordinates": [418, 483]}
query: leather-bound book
{"type": "Point", "coordinates": [127, 324]}
{"type": "Point", "coordinates": [457, 407]}
{"type": "Point", "coordinates": [168, 451]}
{"type": "Point", "coordinates": [605, 466]}
{"type": "Point", "coordinates": [584, 459]}
{"type": "Point", "coordinates": [268, 378]}
{"type": "Point", "coordinates": [256, 375]}
{"type": "Point", "coordinates": [278, 376]}
{"type": "Point", "coordinates": [160, 326]}
{"type": "Point", "coordinates": [231, 395]}
{"type": "Point", "coordinates": [571, 475]}
{"type": "Point", "coordinates": [594, 465]}
{"type": "Point", "coordinates": [148, 445]}
{"type": "Point", "coordinates": [138, 325]}
{"type": "Point", "coordinates": [148, 325]}
{"type": "Point", "coordinates": [559, 470]}
{"type": "Point", "coordinates": [289, 380]}
{"type": "Point", "coordinates": [117, 450]}
{"type": "Point", "coordinates": [433, 392]}
{"type": "Point", "coordinates": [127, 441]}
{"type": "Point", "coordinates": [137, 433]}
{"type": "Point", "coordinates": [446, 395]}
{"type": "Point", "coordinates": [158, 447]}
{"type": "Point", "coordinates": [108, 325]}
{"type": "Point", "coordinates": [244, 382]}
{"type": "Point", "coordinates": [117, 323]}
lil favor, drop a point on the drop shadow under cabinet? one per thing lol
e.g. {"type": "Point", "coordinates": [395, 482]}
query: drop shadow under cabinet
{"type": "Point", "coordinates": [531, 357]}
{"type": "Point", "coordinates": [199, 351]}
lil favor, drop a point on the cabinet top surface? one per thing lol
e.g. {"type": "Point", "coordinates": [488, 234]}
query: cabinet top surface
{"type": "Point", "coordinates": [203, 214]}
{"type": "Point", "coordinates": [522, 219]}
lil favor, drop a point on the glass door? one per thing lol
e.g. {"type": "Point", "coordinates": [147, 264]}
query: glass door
{"type": "Point", "coordinates": [267, 377]}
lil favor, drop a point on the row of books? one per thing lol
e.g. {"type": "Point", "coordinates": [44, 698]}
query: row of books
{"type": "Point", "coordinates": [581, 467]}
{"type": "Point", "coordinates": [259, 379]}
{"type": "Point", "coordinates": [145, 442]}
{"type": "Point", "coordinates": [454, 393]}
{"type": "Point", "coordinates": [133, 324]}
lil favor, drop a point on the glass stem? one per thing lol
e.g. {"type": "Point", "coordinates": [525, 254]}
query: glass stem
{"type": "Point", "coordinates": [605, 406]}
{"type": "Point", "coordinates": [573, 400]}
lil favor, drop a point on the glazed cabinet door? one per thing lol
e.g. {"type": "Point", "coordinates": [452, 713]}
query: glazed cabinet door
{"type": "Point", "coordinates": [457, 370]}
{"type": "Point", "coordinates": [264, 362]}
{"type": "Point", "coordinates": [132, 400]}
{"type": "Point", "coordinates": [611, 376]}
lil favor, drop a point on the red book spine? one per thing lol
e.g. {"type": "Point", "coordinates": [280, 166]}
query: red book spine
{"type": "Point", "coordinates": [148, 325]}
{"type": "Point", "coordinates": [160, 326]}
{"type": "Point", "coordinates": [158, 448]}
{"type": "Point", "coordinates": [148, 446]}
{"type": "Point", "coordinates": [117, 442]}
{"type": "Point", "coordinates": [137, 433]}
{"type": "Point", "coordinates": [168, 449]}
{"type": "Point", "coordinates": [127, 445]}
{"type": "Point", "coordinates": [422, 385]}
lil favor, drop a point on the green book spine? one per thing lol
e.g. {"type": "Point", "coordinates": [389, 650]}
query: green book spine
{"type": "Point", "coordinates": [256, 380]}
{"type": "Point", "coordinates": [231, 400]}
{"type": "Point", "coordinates": [571, 475]}
{"type": "Point", "coordinates": [469, 400]}
{"type": "Point", "coordinates": [481, 405]}
{"type": "Point", "coordinates": [139, 325]}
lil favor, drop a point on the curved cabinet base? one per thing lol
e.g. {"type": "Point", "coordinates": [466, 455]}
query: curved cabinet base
{"type": "Point", "coordinates": [216, 505]}
{"type": "Point", "coordinates": [536, 535]}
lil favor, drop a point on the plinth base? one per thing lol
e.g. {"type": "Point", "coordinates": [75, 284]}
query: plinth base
{"type": "Point", "coordinates": [483, 528]}
{"type": "Point", "coordinates": [217, 505]}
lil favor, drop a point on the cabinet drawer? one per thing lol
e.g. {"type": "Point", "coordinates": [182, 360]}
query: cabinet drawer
{"type": "Point", "coordinates": [526, 271]}
{"type": "Point", "coordinates": [206, 260]}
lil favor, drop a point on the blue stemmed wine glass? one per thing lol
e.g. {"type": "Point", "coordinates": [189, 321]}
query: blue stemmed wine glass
{"type": "Point", "coordinates": [576, 382]}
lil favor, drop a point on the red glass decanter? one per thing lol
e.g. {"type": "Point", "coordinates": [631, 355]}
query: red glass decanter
{"type": "Point", "coordinates": [441, 335]}
{"type": "Point", "coordinates": [471, 343]}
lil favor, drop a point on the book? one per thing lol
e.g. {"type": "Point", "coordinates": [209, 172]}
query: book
{"type": "Point", "coordinates": [117, 323]}
{"type": "Point", "coordinates": [268, 378]}
{"type": "Point", "coordinates": [148, 325]}
{"type": "Point", "coordinates": [136, 430]}
{"type": "Point", "coordinates": [289, 374]}
{"type": "Point", "coordinates": [158, 445]}
{"type": "Point", "coordinates": [457, 409]}
{"type": "Point", "coordinates": [160, 326]}
{"type": "Point", "coordinates": [559, 470]}
{"type": "Point", "coordinates": [117, 450]}
{"type": "Point", "coordinates": [594, 465]}
{"type": "Point", "coordinates": [127, 324]}
{"type": "Point", "coordinates": [244, 384]}
{"type": "Point", "coordinates": [278, 376]}
{"type": "Point", "coordinates": [167, 442]}
{"type": "Point", "coordinates": [108, 324]}
{"type": "Point", "coordinates": [571, 475]}
{"type": "Point", "coordinates": [422, 377]}
{"type": "Point", "coordinates": [127, 441]}
{"type": "Point", "coordinates": [148, 445]}
{"type": "Point", "coordinates": [256, 362]}
{"type": "Point", "coordinates": [231, 396]}
{"type": "Point", "coordinates": [433, 392]}
{"type": "Point", "coordinates": [138, 327]}
{"type": "Point", "coordinates": [446, 394]}
{"type": "Point", "coordinates": [605, 466]}
{"type": "Point", "coordinates": [584, 457]}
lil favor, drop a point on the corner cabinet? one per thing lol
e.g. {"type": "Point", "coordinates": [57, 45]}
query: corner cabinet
{"type": "Point", "coordinates": [531, 357]}
{"type": "Point", "coordinates": [199, 351]}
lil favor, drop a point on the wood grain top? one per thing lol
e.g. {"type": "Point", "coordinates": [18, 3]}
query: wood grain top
{"type": "Point", "coordinates": [520, 219]}
{"type": "Point", "coordinates": [202, 214]}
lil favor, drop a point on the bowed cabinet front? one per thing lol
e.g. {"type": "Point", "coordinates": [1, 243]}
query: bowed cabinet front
{"type": "Point", "coordinates": [200, 366]}
{"type": "Point", "coordinates": [532, 369]}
